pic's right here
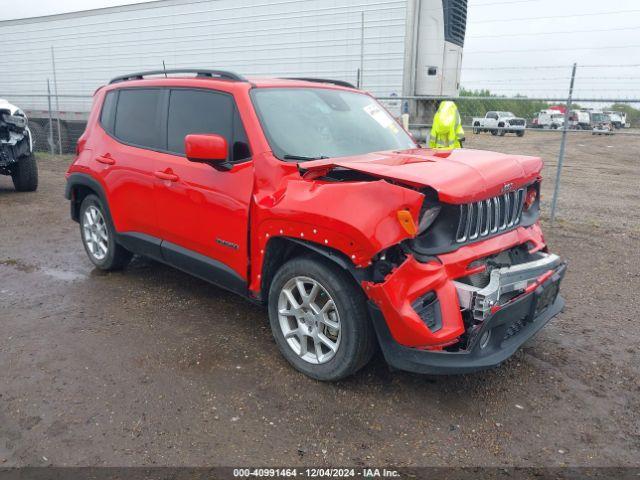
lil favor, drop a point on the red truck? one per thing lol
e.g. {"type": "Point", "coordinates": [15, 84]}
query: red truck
{"type": "Point", "coordinates": [306, 196]}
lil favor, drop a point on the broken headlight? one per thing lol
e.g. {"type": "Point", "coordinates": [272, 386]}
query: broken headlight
{"type": "Point", "coordinates": [428, 215]}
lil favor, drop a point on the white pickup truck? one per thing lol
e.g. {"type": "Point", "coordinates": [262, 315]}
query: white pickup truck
{"type": "Point", "coordinates": [499, 123]}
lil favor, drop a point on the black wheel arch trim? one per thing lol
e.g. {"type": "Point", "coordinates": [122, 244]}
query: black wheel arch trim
{"type": "Point", "coordinates": [83, 180]}
{"type": "Point", "coordinates": [333, 255]}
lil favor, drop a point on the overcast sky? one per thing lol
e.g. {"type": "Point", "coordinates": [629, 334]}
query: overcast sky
{"type": "Point", "coordinates": [508, 33]}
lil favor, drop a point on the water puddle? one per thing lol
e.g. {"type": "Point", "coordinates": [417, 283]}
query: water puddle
{"type": "Point", "coordinates": [64, 275]}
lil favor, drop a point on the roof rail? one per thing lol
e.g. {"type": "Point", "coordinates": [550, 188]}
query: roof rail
{"type": "Point", "coordinates": [341, 83]}
{"type": "Point", "coordinates": [198, 71]}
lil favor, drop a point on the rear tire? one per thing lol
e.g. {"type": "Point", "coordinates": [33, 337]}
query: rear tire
{"type": "Point", "coordinates": [99, 236]}
{"type": "Point", "coordinates": [347, 321]}
{"type": "Point", "coordinates": [25, 174]}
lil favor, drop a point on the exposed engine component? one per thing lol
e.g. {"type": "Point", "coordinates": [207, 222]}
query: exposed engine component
{"type": "Point", "coordinates": [385, 262]}
{"type": "Point", "coordinates": [505, 282]}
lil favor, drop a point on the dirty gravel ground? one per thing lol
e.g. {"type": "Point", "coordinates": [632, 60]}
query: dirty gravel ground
{"type": "Point", "coordinates": [153, 367]}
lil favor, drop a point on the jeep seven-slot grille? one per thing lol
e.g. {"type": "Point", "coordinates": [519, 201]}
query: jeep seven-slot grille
{"type": "Point", "coordinates": [486, 217]}
{"type": "Point", "coordinates": [516, 121]}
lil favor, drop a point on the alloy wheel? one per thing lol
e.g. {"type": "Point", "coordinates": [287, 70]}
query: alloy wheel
{"type": "Point", "coordinates": [95, 234]}
{"type": "Point", "coordinates": [309, 320]}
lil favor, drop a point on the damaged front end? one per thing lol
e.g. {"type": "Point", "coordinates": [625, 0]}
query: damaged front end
{"type": "Point", "coordinates": [466, 294]}
{"type": "Point", "coordinates": [15, 138]}
{"type": "Point", "coordinates": [467, 280]}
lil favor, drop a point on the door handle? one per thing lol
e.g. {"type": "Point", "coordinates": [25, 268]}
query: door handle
{"type": "Point", "coordinates": [172, 177]}
{"type": "Point", "coordinates": [106, 159]}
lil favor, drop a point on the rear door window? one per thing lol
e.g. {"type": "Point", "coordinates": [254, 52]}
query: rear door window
{"type": "Point", "coordinates": [202, 111]}
{"type": "Point", "coordinates": [139, 118]}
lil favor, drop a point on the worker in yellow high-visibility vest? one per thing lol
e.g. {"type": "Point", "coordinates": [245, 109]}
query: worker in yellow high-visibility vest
{"type": "Point", "coordinates": [446, 132]}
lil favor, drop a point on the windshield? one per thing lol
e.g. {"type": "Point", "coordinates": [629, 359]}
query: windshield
{"type": "Point", "coordinates": [309, 123]}
{"type": "Point", "coordinates": [506, 114]}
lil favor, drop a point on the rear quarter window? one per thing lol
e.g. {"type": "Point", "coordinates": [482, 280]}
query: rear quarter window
{"type": "Point", "coordinates": [108, 113]}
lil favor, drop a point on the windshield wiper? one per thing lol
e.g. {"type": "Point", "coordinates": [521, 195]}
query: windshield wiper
{"type": "Point", "coordinates": [303, 158]}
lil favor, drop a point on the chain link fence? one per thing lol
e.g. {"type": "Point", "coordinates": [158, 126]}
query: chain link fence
{"type": "Point", "coordinates": [556, 123]}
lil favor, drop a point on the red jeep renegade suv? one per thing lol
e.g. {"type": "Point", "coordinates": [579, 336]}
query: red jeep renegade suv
{"type": "Point", "coordinates": [305, 195]}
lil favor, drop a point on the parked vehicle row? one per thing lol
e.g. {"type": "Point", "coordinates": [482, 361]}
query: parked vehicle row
{"type": "Point", "coordinates": [581, 119]}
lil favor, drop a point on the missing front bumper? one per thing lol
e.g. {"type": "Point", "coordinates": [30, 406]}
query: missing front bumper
{"type": "Point", "coordinates": [500, 335]}
{"type": "Point", "coordinates": [503, 284]}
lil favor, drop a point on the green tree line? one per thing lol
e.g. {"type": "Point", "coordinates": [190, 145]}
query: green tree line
{"type": "Point", "coordinates": [470, 106]}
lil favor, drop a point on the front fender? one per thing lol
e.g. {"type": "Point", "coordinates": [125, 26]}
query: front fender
{"type": "Point", "coordinates": [358, 219]}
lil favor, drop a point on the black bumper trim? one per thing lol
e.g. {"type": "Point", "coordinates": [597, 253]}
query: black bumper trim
{"type": "Point", "coordinates": [498, 348]}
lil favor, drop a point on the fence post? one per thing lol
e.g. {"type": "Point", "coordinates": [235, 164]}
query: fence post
{"type": "Point", "coordinates": [563, 144]}
{"type": "Point", "coordinates": [55, 88]}
{"type": "Point", "coordinates": [50, 133]}
{"type": "Point", "coordinates": [361, 76]}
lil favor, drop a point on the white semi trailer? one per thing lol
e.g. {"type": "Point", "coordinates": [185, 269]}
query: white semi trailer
{"type": "Point", "coordinates": [388, 47]}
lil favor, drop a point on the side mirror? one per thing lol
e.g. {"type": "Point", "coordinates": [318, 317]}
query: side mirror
{"type": "Point", "coordinates": [207, 148]}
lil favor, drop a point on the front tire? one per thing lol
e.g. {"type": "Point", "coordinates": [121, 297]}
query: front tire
{"type": "Point", "coordinates": [319, 319]}
{"type": "Point", "coordinates": [99, 236]}
{"type": "Point", "coordinates": [520, 133]}
{"type": "Point", "coordinates": [25, 174]}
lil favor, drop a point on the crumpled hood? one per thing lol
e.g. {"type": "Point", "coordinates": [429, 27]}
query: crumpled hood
{"type": "Point", "coordinates": [459, 176]}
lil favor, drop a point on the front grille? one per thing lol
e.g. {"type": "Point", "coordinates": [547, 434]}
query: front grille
{"type": "Point", "coordinates": [486, 217]}
{"type": "Point", "coordinates": [516, 122]}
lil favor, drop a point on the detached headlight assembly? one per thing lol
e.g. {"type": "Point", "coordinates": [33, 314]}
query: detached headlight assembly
{"type": "Point", "coordinates": [427, 217]}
